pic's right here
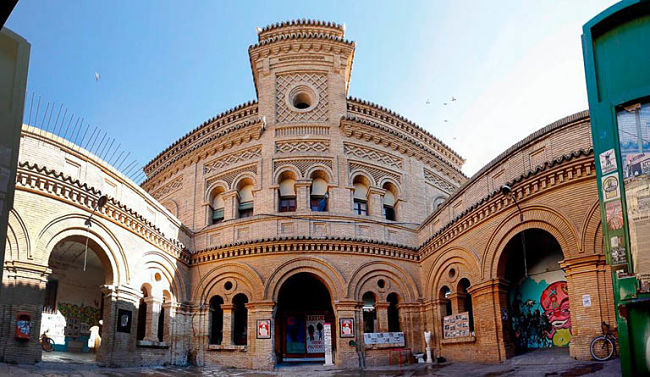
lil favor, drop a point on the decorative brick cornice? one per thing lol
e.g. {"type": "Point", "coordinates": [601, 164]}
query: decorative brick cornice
{"type": "Point", "coordinates": [305, 245]}
{"type": "Point", "coordinates": [303, 25]}
{"type": "Point", "coordinates": [237, 114]}
{"type": "Point", "coordinates": [362, 108]}
{"type": "Point", "coordinates": [565, 170]}
{"type": "Point", "coordinates": [31, 177]}
{"type": "Point", "coordinates": [212, 142]}
{"type": "Point", "coordinates": [364, 129]}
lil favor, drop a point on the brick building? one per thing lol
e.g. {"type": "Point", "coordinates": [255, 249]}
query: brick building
{"type": "Point", "coordinates": [303, 207]}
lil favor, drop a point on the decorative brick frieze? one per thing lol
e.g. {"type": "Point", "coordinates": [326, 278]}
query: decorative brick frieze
{"type": "Point", "coordinates": [302, 146]}
{"type": "Point", "coordinates": [219, 164]}
{"type": "Point", "coordinates": [285, 113]}
{"type": "Point", "coordinates": [365, 153]}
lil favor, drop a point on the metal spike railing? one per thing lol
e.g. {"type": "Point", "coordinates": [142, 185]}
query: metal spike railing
{"type": "Point", "coordinates": [59, 121]}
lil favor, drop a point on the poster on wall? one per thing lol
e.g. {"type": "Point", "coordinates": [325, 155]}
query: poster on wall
{"type": "Point", "coordinates": [456, 325]}
{"type": "Point", "coordinates": [314, 335]}
{"type": "Point", "coordinates": [634, 138]}
{"type": "Point", "coordinates": [391, 338]}
{"type": "Point", "coordinates": [263, 329]}
{"type": "Point", "coordinates": [124, 320]}
{"type": "Point", "coordinates": [295, 334]}
{"type": "Point", "coordinates": [347, 327]}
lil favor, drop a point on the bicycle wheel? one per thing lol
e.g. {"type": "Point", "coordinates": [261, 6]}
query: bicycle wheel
{"type": "Point", "coordinates": [48, 345]}
{"type": "Point", "coordinates": [601, 348]}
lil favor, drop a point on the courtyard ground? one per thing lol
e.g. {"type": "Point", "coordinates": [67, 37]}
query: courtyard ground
{"type": "Point", "coordinates": [540, 363]}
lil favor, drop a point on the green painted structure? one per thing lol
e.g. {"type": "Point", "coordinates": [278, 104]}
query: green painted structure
{"type": "Point", "coordinates": [616, 49]}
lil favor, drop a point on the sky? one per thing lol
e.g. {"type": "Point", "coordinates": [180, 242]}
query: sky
{"type": "Point", "coordinates": [167, 66]}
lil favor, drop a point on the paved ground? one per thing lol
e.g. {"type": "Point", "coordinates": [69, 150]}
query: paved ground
{"type": "Point", "coordinates": [541, 363]}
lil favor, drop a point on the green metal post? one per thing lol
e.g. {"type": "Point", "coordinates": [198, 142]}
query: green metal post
{"type": "Point", "coordinates": [616, 49]}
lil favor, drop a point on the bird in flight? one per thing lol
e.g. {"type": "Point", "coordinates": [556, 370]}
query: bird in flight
{"type": "Point", "coordinates": [96, 76]}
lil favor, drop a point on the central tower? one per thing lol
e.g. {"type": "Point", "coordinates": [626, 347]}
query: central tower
{"type": "Point", "coordinates": [302, 71]}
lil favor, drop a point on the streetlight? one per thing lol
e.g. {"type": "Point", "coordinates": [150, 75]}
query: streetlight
{"type": "Point", "coordinates": [100, 203]}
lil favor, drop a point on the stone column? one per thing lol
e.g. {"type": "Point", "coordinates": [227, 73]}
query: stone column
{"type": "Point", "coordinates": [23, 290]}
{"type": "Point", "coordinates": [170, 315]}
{"type": "Point", "coordinates": [153, 311]}
{"type": "Point", "coordinates": [117, 347]}
{"type": "Point", "coordinates": [456, 305]}
{"type": "Point", "coordinates": [230, 205]}
{"type": "Point", "coordinates": [375, 202]}
{"type": "Point", "coordinates": [227, 324]}
{"type": "Point", "coordinates": [199, 334]}
{"type": "Point", "coordinates": [302, 194]}
{"type": "Point", "coordinates": [382, 316]}
{"type": "Point", "coordinates": [260, 351]}
{"type": "Point", "coordinates": [346, 355]}
{"type": "Point", "coordinates": [493, 334]}
{"type": "Point", "coordinates": [588, 277]}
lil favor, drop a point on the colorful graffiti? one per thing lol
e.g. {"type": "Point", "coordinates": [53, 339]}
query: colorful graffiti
{"type": "Point", "coordinates": [540, 314]}
{"type": "Point", "coordinates": [555, 301]}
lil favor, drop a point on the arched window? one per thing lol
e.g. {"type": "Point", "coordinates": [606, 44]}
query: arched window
{"type": "Point", "coordinates": [465, 301]}
{"type": "Point", "coordinates": [216, 320]}
{"type": "Point", "coordinates": [369, 312]}
{"type": "Point", "coordinates": [240, 320]}
{"type": "Point", "coordinates": [389, 200]}
{"type": "Point", "coordinates": [445, 292]}
{"type": "Point", "coordinates": [361, 185]}
{"type": "Point", "coordinates": [393, 313]}
{"type": "Point", "coordinates": [287, 201]}
{"type": "Point", "coordinates": [318, 195]}
{"type": "Point", "coordinates": [438, 202]}
{"type": "Point", "coordinates": [216, 206]}
{"type": "Point", "coordinates": [245, 195]}
{"type": "Point", "coordinates": [142, 317]}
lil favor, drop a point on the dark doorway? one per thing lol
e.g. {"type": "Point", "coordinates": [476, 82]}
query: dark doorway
{"type": "Point", "coordinates": [304, 306]}
{"type": "Point", "coordinates": [538, 300]}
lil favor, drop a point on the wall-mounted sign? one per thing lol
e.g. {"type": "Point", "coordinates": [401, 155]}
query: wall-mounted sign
{"type": "Point", "coordinates": [392, 338]}
{"type": "Point", "coordinates": [586, 301]}
{"type": "Point", "coordinates": [608, 161]}
{"type": "Point", "coordinates": [456, 325]}
{"type": "Point", "coordinates": [327, 340]}
{"type": "Point", "coordinates": [124, 320]}
{"type": "Point", "coordinates": [263, 329]}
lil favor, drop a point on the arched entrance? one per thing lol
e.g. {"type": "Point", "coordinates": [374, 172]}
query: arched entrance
{"type": "Point", "coordinates": [304, 306]}
{"type": "Point", "coordinates": [538, 300]}
{"type": "Point", "coordinates": [73, 308]}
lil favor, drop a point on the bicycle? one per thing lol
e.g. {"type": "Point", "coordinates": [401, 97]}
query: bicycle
{"type": "Point", "coordinates": [47, 343]}
{"type": "Point", "coordinates": [603, 346]}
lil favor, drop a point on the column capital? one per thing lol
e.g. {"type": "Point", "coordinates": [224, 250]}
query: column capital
{"type": "Point", "coordinates": [228, 307]}
{"type": "Point", "coordinates": [585, 263]}
{"type": "Point", "coordinates": [488, 286]}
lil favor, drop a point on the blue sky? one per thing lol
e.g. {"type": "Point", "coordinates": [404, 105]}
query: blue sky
{"type": "Point", "coordinates": [167, 66]}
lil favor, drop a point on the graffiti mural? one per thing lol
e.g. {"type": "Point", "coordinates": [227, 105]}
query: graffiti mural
{"type": "Point", "coordinates": [555, 302]}
{"type": "Point", "coordinates": [540, 314]}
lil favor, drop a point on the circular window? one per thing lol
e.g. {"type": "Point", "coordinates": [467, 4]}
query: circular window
{"type": "Point", "coordinates": [302, 98]}
{"type": "Point", "coordinates": [228, 285]}
{"type": "Point", "coordinates": [452, 273]}
{"type": "Point", "coordinates": [381, 283]}
{"type": "Point", "coordinates": [157, 276]}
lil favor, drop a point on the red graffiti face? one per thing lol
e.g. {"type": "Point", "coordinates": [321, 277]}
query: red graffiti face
{"type": "Point", "coordinates": [555, 301]}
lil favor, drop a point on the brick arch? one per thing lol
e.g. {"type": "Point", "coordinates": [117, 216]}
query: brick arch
{"type": "Point", "coordinates": [327, 273]}
{"type": "Point", "coordinates": [207, 195]}
{"type": "Point", "coordinates": [365, 174]}
{"type": "Point", "coordinates": [18, 243]}
{"type": "Point", "coordinates": [406, 285]}
{"type": "Point", "coordinates": [285, 168]}
{"type": "Point", "coordinates": [320, 167]}
{"type": "Point", "coordinates": [450, 256]}
{"type": "Point", "coordinates": [248, 282]}
{"type": "Point", "coordinates": [157, 260]}
{"type": "Point", "coordinates": [535, 217]}
{"type": "Point", "coordinates": [592, 231]}
{"type": "Point", "coordinates": [111, 254]}
{"type": "Point", "coordinates": [242, 176]}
